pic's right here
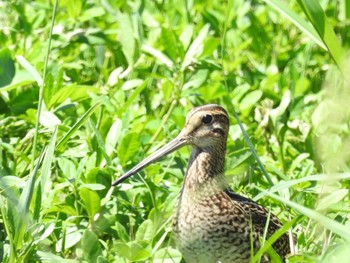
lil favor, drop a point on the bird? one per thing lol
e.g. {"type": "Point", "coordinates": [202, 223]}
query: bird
{"type": "Point", "coordinates": [211, 223]}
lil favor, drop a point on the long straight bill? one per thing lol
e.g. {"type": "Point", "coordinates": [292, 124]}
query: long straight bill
{"type": "Point", "coordinates": [166, 149]}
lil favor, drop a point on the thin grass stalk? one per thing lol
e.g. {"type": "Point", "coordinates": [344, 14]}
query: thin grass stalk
{"type": "Point", "coordinates": [252, 149]}
{"type": "Point", "coordinates": [328, 223]}
{"type": "Point", "coordinates": [42, 87]}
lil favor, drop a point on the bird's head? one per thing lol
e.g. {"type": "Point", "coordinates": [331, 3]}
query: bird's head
{"type": "Point", "coordinates": [206, 127]}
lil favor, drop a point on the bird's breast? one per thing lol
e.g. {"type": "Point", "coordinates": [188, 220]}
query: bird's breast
{"type": "Point", "coordinates": [211, 229]}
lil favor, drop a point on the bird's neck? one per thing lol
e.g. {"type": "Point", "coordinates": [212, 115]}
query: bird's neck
{"type": "Point", "coordinates": [205, 172]}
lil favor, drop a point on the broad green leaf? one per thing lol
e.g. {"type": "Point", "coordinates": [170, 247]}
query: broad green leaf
{"type": "Point", "coordinates": [165, 255]}
{"type": "Point", "coordinates": [70, 240]}
{"type": "Point", "coordinates": [113, 136]}
{"type": "Point", "coordinates": [48, 231]}
{"type": "Point", "coordinates": [212, 91]}
{"type": "Point", "coordinates": [131, 84]}
{"type": "Point", "coordinates": [65, 209]}
{"type": "Point", "coordinates": [98, 178]}
{"type": "Point", "coordinates": [210, 45]}
{"type": "Point", "coordinates": [91, 200]}
{"type": "Point", "coordinates": [7, 67]}
{"type": "Point", "coordinates": [128, 147]}
{"type": "Point", "coordinates": [74, 8]}
{"type": "Point", "coordinates": [171, 45]}
{"type": "Point", "coordinates": [197, 79]}
{"type": "Point", "coordinates": [281, 109]}
{"type": "Point", "coordinates": [31, 69]}
{"type": "Point", "coordinates": [67, 167]}
{"type": "Point", "coordinates": [186, 36]}
{"type": "Point", "coordinates": [167, 88]}
{"type": "Point", "coordinates": [96, 11]}
{"type": "Point", "coordinates": [126, 37]}
{"type": "Point", "coordinates": [162, 58]}
{"type": "Point", "coordinates": [49, 120]}
{"type": "Point", "coordinates": [75, 93]}
{"type": "Point", "coordinates": [15, 84]}
{"type": "Point", "coordinates": [145, 231]}
{"type": "Point", "coordinates": [90, 246]}
{"type": "Point", "coordinates": [196, 48]}
{"type": "Point", "coordinates": [239, 92]}
{"type": "Point", "coordinates": [250, 99]}
{"type": "Point", "coordinates": [122, 234]}
{"type": "Point", "coordinates": [132, 251]}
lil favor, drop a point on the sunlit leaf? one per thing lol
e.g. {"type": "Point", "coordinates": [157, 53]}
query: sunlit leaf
{"type": "Point", "coordinates": [90, 246]}
{"type": "Point", "coordinates": [91, 201]}
{"type": "Point", "coordinates": [196, 47]}
{"type": "Point", "coordinates": [75, 93]}
{"type": "Point", "coordinates": [128, 147]}
{"type": "Point", "coordinates": [132, 251]}
{"type": "Point", "coordinates": [126, 38]}
{"type": "Point", "coordinates": [145, 231]}
{"type": "Point", "coordinates": [31, 69]}
{"type": "Point", "coordinates": [167, 255]}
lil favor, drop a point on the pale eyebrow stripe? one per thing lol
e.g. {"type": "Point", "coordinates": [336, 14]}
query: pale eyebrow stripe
{"type": "Point", "coordinates": [213, 108]}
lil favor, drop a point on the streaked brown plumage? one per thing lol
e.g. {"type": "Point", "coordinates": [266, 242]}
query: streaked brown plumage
{"type": "Point", "coordinates": [211, 223]}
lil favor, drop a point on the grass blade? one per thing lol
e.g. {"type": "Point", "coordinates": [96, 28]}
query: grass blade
{"type": "Point", "coordinates": [319, 20]}
{"type": "Point", "coordinates": [46, 168]}
{"type": "Point", "coordinates": [328, 223]}
{"type": "Point", "coordinates": [100, 142]}
{"type": "Point", "coordinates": [252, 149]}
{"type": "Point", "coordinates": [273, 239]}
{"type": "Point", "coordinates": [42, 86]}
{"type": "Point", "coordinates": [24, 204]}
{"type": "Point", "coordinates": [296, 20]}
{"type": "Point", "coordinates": [290, 183]}
{"type": "Point", "coordinates": [77, 125]}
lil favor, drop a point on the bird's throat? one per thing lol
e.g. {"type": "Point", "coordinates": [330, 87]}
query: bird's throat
{"type": "Point", "coordinates": [205, 171]}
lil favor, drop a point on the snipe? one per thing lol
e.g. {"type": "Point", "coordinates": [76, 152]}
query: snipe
{"type": "Point", "coordinates": [211, 223]}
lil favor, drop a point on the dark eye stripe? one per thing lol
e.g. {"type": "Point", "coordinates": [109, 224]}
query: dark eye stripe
{"type": "Point", "coordinates": [219, 131]}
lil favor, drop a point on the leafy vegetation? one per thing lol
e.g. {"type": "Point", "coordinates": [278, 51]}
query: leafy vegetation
{"type": "Point", "coordinates": [89, 88]}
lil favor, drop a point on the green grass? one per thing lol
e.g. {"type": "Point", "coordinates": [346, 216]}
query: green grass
{"type": "Point", "coordinates": [89, 90]}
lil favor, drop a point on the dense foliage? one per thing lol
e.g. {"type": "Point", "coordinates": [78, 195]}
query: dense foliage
{"type": "Point", "coordinates": [113, 80]}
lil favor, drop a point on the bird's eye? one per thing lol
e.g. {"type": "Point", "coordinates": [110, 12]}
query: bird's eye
{"type": "Point", "coordinates": [207, 119]}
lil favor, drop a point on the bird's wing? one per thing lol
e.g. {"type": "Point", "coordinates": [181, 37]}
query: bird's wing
{"type": "Point", "coordinates": [259, 216]}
